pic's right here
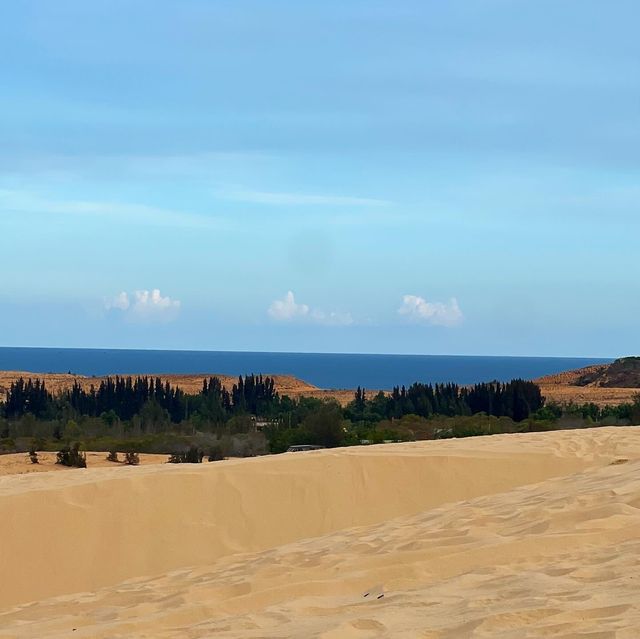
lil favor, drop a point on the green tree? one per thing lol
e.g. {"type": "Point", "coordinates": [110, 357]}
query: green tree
{"type": "Point", "coordinates": [71, 431]}
{"type": "Point", "coordinates": [325, 426]}
{"type": "Point", "coordinates": [154, 418]}
{"type": "Point", "coordinates": [241, 424]}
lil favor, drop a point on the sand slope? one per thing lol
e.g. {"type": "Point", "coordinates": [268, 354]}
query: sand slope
{"type": "Point", "coordinates": [566, 387]}
{"type": "Point", "coordinates": [468, 553]}
{"type": "Point", "coordinates": [289, 385]}
{"type": "Point", "coordinates": [59, 382]}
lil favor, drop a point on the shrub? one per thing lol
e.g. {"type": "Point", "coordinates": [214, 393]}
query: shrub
{"type": "Point", "coordinates": [131, 458]}
{"type": "Point", "coordinates": [72, 457]}
{"type": "Point", "coordinates": [216, 454]}
{"type": "Point", "coordinates": [33, 455]}
{"type": "Point", "coordinates": [193, 456]}
{"type": "Point", "coordinates": [113, 456]}
{"type": "Point", "coordinates": [7, 444]}
{"type": "Point", "coordinates": [64, 456]}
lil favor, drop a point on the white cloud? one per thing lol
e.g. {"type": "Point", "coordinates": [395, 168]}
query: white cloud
{"type": "Point", "coordinates": [145, 306]}
{"type": "Point", "coordinates": [301, 199]}
{"type": "Point", "coordinates": [151, 303]}
{"type": "Point", "coordinates": [288, 310]}
{"type": "Point", "coordinates": [120, 302]}
{"type": "Point", "coordinates": [438, 313]}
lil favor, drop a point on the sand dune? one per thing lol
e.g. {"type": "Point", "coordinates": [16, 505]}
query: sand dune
{"type": "Point", "coordinates": [59, 382]}
{"type": "Point", "coordinates": [570, 386]}
{"type": "Point", "coordinates": [558, 394]}
{"type": "Point", "coordinates": [285, 384]}
{"type": "Point", "coordinates": [506, 536]}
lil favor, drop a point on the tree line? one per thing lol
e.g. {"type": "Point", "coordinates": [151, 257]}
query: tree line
{"type": "Point", "coordinates": [125, 397]}
{"type": "Point", "coordinates": [516, 399]}
{"type": "Point", "coordinates": [156, 416]}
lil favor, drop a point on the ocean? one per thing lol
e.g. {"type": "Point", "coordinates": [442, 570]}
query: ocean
{"type": "Point", "coordinates": [321, 369]}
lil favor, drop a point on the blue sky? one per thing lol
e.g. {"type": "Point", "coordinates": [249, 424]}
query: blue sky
{"type": "Point", "coordinates": [454, 177]}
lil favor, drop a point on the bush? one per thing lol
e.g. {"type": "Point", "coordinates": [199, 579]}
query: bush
{"type": "Point", "coordinates": [131, 458]}
{"type": "Point", "coordinates": [7, 444]}
{"type": "Point", "coordinates": [193, 456]}
{"type": "Point", "coordinates": [33, 455]}
{"type": "Point", "coordinates": [216, 454]}
{"type": "Point", "coordinates": [72, 457]}
{"type": "Point", "coordinates": [113, 456]}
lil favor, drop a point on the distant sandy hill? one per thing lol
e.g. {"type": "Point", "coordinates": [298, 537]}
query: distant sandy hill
{"type": "Point", "coordinates": [602, 384]}
{"type": "Point", "coordinates": [511, 536]}
{"type": "Point", "coordinates": [58, 382]}
{"type": "Point", "coordinates": [570, 378]}
{"type": "Point", "coordinates": [285, 384]}
{"type": "Point", "coordinates": [623, 373]}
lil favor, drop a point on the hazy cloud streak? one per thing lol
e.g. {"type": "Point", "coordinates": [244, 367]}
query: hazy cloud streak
{"type": "Point", "coordinates": [300, 199]}
{"type": "Point", "coordinates": [22, 202]}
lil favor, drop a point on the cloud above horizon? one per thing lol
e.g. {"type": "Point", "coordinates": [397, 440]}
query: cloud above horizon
{"type": "Point", "coordinates": [418, 309]}
{"type": "Point", "coordinates": [288, 310]}
{"type": "Point", "coordinates": [144, 306]}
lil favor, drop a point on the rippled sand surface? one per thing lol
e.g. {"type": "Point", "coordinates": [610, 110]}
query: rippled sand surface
{"type": "Point", "coordinates": [508, 536]}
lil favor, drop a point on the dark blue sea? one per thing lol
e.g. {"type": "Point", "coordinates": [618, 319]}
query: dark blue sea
{"type": "Point", "coordinates": [321, 369]}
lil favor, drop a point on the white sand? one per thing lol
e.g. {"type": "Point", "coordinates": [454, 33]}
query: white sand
{"type": "Point", "coordinates": [235, 549]}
